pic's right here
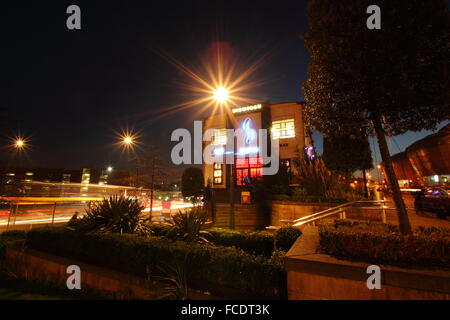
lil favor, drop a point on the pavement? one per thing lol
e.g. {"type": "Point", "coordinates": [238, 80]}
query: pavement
{"type": "Point", "coordinates": [427, 219]}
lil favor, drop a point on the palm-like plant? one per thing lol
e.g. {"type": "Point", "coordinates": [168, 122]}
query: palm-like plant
{"type": "Point", "coordinates": [189, 225]}
{"type": "Point", "coordinates": [174, 280]}
{"type": "Point", "coordinates": [115, 214]}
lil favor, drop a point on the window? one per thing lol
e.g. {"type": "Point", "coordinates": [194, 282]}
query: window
{"type": "Point", "coordinates": [248, 169]}
{"type": "Point", "coordinates": [219, 138]}
{"type": "Point", "coordinates": [217, 173]}
{"type": "Point", "coordinates": [285, 163]}
{"type": "Point", "coordinates": [66, 177]}
{"type": "Point", "coordinates": [29, 176]}
{"type": "Point", "coordinates": [283, 129]}
{"type": "Point", "coordinates": [86, 175]}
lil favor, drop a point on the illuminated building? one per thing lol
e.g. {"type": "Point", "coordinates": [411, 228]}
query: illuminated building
{"type": "Point", "coordinates": [283, 121]}
{"type": "Point", "coordinates": [426, 161]}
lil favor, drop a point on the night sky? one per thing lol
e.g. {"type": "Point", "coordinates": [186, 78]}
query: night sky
{"type": "Point", "coordinates": [71, 91]}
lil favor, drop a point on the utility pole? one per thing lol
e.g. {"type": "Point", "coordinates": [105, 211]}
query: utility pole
{"type": "Point", "coordinates": [232, 217]}
{"type": "Point", "coordinates": [231, 188]}
{"type": "Point", "coordinates": [153, 186]}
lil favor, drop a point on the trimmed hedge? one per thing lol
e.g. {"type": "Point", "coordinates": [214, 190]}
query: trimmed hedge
{"type": "Point", "coordinates": [9, 236]}
{"type": "Point", "coordinates": [285, 237]}
{"type": "Point", "coordinates": [257, 243]}
{"type": "Point", "coordinates": [383, 244]}
{"type": "Point", "coordinates": [209, 268]}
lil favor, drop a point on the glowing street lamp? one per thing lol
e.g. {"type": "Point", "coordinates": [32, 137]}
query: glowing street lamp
{"type": "Point", "coordinates": [127, 140]}
{"type": "Point", "coordinates": [221, 95]}
{"type": "Point", "coordinates": [109, 169]}
{"type": "Point", "coordinates": [19, 143]}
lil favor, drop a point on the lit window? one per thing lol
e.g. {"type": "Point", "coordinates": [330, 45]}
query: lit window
{"type": "Point", "coordinates": [219, 137]}
{"type": "Point", "coordinates": [283, 129]}
{"type": "Point", "coordinates": [248, 169]}
{"type": "Point", "coordinates": [217, 173]}
{"type": "Point", "coordinates": [285, 163]}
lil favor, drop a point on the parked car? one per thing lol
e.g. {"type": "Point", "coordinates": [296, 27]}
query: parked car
{"type": "Point", "coordinates": [434, 200]}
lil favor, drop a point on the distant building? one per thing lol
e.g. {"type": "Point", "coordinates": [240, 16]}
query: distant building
{"type": "Point", "coordinates": [426, 161]}
{"type": "Point", "coordinates": [85, 175]}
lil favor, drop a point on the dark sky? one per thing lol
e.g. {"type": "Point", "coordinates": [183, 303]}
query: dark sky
{"type": "Point", "coordinates": [69, 91]}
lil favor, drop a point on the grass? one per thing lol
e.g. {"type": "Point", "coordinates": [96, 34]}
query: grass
{"type": "Point", "coordinates": [8, 294]}
{"type": "Point", "coordinates": [19, 289]}
{"type": "Point", "coordinates": [12, 288]}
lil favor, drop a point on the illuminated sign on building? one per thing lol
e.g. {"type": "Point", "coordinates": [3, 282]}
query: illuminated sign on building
{"type": "Point", "coordinates": [249, 137]}
{"type": "Point", "coordinates": [249, 131]}
{"type": "Point", "coordinates": [247, 108]}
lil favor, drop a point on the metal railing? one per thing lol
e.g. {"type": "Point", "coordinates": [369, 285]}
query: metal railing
{"type": "Point", "coordinates": [42, 210]}
{"type": "Point", "coordinates": [341, 210]}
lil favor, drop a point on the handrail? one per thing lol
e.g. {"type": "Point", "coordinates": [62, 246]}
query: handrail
{"type": "Point", "coordinates": [338, 209]}
{"type": "Point", "coordinates": [49, 199]}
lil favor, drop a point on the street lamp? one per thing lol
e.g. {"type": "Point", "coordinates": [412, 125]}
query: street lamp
{"type": "Point", "coordinates": [109, 169]}
{"type": "Point", "coordinates": [127, 140]}
{"type": "Point", "coordinates": [19, 144]}
{"type": "Point", "coordinates": [221, 96]}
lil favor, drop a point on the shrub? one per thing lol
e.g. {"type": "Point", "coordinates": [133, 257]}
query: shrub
{"type": "Point", "coordinates": [319, 182]}
{"type": "Point", "coordinates": [285, 237]}
{"type": "Point", "coordinates": [384, 244]}
{"type": "Point", "coordinates": [10, 236]}
{"type": "Point", "coordinates": [116, 214]}
{"type": "Point", "coordinates": [160, 229]}
{"type": "Point", "coordinates": [211, 268]}
{"type": "Point", "coordinates": [257, 243]}
{"type": "Point", "coordinates": [188, 225]}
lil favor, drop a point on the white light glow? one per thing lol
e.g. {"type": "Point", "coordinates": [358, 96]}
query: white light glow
{"type": "Point", "coordinates": [221, 95]}
{"type": "Point", "coordinates": [247, 108]}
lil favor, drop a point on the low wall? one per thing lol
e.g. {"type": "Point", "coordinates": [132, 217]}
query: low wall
{"type": "Point", "coordinates": [311, 275]}
{"type": "Point", "coordinates": [246, 217]}
{"type": "Point", "coordinates": [287, 210]}
{"type": "Point", "coordinates": [31, 264]}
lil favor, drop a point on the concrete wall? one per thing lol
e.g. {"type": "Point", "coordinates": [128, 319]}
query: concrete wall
{"type": "Point", "coordinates": [287, 210]}
{"type": "Point", "coordinates": [311, 275]}
{"type": "Point", "coordinates": [37, 265]}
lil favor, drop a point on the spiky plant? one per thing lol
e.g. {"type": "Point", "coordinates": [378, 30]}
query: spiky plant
{"type": "Point", "coordinates": [114, 214]}
{"type": "Point", "coordinates": [188, 226]}
{"type": "Point", "coordinates": [174, 281]}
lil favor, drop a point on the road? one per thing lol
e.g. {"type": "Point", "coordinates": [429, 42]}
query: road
{"type": "Point", "coordinates": [28, 216]}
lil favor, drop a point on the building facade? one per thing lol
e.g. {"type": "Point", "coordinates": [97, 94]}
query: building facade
{"type": "Point", "coordinates": [426, 161]}
{"type": "Point", "coordinates": [283, 121]}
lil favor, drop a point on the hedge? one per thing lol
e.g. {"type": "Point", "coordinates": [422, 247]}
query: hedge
{"type": "Point", "coordinates": [256, 243]}
{"type": "Point", "coordinates": [285, 237]}
{"type": "Point", "coordinates": [209, 268]}
{"type": "Point", "coordinates": [9, 236]}
{"type": "Point", "coordinates": [383, 244]}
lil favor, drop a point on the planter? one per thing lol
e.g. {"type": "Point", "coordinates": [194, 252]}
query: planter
{"type": "Point", "coordinates": [312, 275]}
{"type": "Point", "coordinates": [38, 265]}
